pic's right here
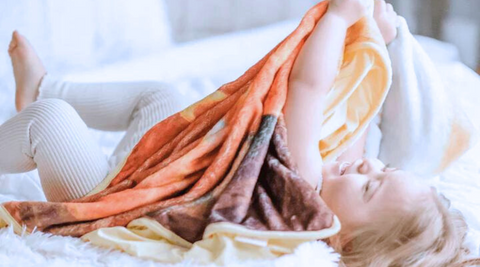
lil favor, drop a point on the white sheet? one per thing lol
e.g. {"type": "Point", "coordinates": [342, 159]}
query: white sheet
{"type": "Point", "coordinates": [200, 67]}
{"type": "Point", "coordinates": [461, 182]}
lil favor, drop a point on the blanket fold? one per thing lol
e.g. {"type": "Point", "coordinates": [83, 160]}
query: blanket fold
{"type": "Point", "coordinates": [221, 168]}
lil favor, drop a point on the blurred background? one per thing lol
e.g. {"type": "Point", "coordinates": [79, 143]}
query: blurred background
{"type": "Point", "coordinates": [454, 21]}
{"type": "Point", "coordinates": [87, 36]}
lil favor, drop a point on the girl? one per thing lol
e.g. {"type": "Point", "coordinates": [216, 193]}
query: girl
{"type": "Point", "coordinates": [388, 218]}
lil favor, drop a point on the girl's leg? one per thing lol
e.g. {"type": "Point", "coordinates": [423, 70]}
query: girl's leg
{"type": "Point", "coordinates": [133, 107]}
{"type": "Point", "coordinates": [112, 106]}
{"type": "Point", "coordinates": [49, 135]}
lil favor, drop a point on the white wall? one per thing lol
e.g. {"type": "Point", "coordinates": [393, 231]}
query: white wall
{"type": "Point", "coordinates": [455, 21]}
{"type": "Point", "coordinates": [192, 19]}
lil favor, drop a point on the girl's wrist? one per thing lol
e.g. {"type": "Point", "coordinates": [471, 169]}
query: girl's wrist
{"type": "Point", "coordinates": [338, 19]}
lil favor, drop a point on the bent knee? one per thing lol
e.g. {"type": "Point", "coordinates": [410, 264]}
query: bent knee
{"type": "Point", "coordinates": [52, 111]}
{"type": "Point", "coordinates": [49, 103]}
{"type": "Point", "coordinates": [164, 95]}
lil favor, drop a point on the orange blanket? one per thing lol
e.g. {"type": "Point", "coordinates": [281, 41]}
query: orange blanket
{"type": "Point", "coordinates": [225, 158]}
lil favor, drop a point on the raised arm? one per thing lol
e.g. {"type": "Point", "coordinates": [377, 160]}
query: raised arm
{"type": "Point", "coordinates": [312, 77]}
{"type": "Point", "coordinates": [387, 21]}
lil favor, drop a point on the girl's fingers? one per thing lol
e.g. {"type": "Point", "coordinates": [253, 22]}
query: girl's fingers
{"type": "Point", "coordinates": [389, 8]}
{"type": "Point", "coordinates": [381, 5]}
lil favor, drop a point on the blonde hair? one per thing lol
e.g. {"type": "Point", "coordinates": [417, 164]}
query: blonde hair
{"type": "Point", "coordinates": [429, 234]}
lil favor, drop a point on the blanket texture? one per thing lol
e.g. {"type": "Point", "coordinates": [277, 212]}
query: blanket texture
{"type": "Point", "coordinates": [217, 179]}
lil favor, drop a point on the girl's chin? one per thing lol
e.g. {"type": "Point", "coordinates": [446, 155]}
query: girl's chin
{"type": "Point", "coordinates": [329, 173]}
{"type": "Point", "coordinates": [327, 182]}
{"type": "Point", "coordinates": [328, 178]}
{"type": "Point", "coordinates": [334, 169]}
{"type": "Point", "coordinates": [330, 170]}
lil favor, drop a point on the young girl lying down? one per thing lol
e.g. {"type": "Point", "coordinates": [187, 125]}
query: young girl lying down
{"type": "Point", "coordinates": [388, 217]}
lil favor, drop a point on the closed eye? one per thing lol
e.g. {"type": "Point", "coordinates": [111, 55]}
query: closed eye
{"type": "Point", "coordinates": [388, 169]}
{"type": "Point", "coordinates": [366, 187]}
{"type": "Point", "coordinates": [370, 189]}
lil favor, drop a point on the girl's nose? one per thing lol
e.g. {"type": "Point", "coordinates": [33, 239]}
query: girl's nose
{"type": "Point", "coordinates": [371, 165]}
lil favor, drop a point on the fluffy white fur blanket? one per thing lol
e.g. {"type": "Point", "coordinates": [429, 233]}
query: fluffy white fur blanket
{"type": "Point", "coordinates": [39, 250]}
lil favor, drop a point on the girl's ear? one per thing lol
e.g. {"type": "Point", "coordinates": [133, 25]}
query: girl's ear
{"type": "Point", "coordinates": [340, 243]}
{"type": "Point", "coordinates": [348, 247]}
{"type": "Point", "coordinates": [336, 243]}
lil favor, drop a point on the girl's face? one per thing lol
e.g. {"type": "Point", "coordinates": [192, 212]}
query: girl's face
{"type": "Point", "coordinates": [365, 191]}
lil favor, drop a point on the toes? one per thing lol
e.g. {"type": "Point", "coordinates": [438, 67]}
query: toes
{"type": "Point", "coordinates": [13, 42]}
{"type": "Point", "coordinates": [18, 41]}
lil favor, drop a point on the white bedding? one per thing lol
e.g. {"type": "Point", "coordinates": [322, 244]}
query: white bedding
{"type": "Point", "coordinates": [200, 67]}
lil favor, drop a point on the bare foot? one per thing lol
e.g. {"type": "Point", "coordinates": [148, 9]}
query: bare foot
{"type": "Point", "coordinates": [27, 69]}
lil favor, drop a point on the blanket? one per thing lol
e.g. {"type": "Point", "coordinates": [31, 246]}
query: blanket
{"type": "Point", "coordinates": [424, 127]}
{"type": "Point", "coordinates": [216, 181]}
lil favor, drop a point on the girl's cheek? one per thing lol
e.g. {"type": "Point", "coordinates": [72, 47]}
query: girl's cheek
{"type": "Point", "coordinates": [329, 169]}
{"type": "Point", "coordinates": [339, 188]}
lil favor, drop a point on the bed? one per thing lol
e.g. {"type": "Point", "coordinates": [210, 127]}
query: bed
{"type": "Point", "coordinates": [197, 68]}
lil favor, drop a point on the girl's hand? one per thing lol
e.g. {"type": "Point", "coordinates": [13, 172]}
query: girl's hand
{"type": "Point", "coordinates": [350, 11]}
{"type": "Point", "coordinates": [387, 20]}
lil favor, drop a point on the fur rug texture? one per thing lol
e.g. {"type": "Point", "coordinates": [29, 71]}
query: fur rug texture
{"type": "Point", "coordinates": [42, 250]}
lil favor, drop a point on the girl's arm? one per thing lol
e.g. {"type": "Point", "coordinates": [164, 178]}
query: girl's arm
{"type": "Point", "coordinates": [387, 21]}
{"type": "Point", "coordinates": [312, 76]}
{"type": "Point", "coordinates": [356, 151]}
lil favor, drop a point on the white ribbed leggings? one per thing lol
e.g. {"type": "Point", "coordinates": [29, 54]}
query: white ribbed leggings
{"type": "Point", "coordinates": [51, 134]}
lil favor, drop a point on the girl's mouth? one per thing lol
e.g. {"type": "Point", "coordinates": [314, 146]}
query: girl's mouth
{"type": "Point", "coordinates": [343, 167]}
